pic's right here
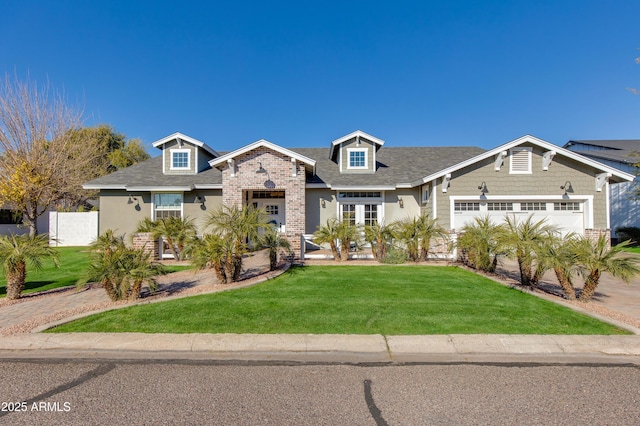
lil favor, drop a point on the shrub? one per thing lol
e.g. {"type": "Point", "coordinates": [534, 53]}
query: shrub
{"type": "Point", "coordinates": [629, 233]}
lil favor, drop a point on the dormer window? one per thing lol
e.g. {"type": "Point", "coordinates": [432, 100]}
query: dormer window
{"type": "Point", "coordinates": [180, 159]}
{"type": "Point", "coordinates": [357, 158]}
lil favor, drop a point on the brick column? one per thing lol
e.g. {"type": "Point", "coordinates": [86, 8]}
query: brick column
{"type": "Point", "coordinates": [145, 241]}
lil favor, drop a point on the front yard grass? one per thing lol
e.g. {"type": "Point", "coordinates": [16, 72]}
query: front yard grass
{"type": "Point", "coordinates": [73, 262]}
{"type": "Point", "coordinates": [389, 300]}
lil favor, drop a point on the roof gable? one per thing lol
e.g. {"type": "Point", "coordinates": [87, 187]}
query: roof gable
{"type": "Point", "coordinates": [310, 163]}
{"type": "Point", "coordinates": [182, 137]}
{"type": "Point", "coordinates": [528, 139]}
{"type": "Point", "coordinates": [357, 134]}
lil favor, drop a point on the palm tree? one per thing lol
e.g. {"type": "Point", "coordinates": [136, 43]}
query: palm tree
{"type": "Point", "coordinates": [237, 227]}
{"type": "Point", "coordinates": [347, 233]}
{"type": "Point", "coordinates": [16, 251]}
{"type": "Point", "coordinates": [273, 241]}
{"type": "Point", "coordinates": [122, 271]}
{"type": "Point", "coordinates": [141, 270]}
{"type": "Point", "coordinates": [107, 242]}
{"type": "Point", "coordinates": [177, 231]}
{"type": "Point", "coordinates": [380, 237]}
{"type": "Point", "coordinates": [596, 257]}
{"type": "Point", "coordinates": [416, 233]}
{"type": "Point", "coordinates": [480, 245]}
{"type": "Point", "coordinates": [522, 239]}
{"type": "Point", "coordinates": [560, 254]}
{"type": "Point", "coordinates": [328, 234]}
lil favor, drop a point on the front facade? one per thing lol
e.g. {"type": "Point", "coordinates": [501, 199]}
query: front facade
{"type": "Point", "coordinates": [360, 179]}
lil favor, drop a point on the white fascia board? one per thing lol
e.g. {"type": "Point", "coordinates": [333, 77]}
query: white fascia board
{"type": "Point", "coordinates": [352, 135]}
{"type": "Point", "coordinates": [185, 138]}
{"type": "Point", "coordinates": [160, 188]}
{"type": "Point", "coordinates": [104, 186]}
{"type": "Point", "coordinates": [404, 185]}
{"type": "Point", "coordinates": [264, 143]}
{"type": "Point", "coordinates": [207, 186]}
{"type": "Point", "coordinates": [317, 186]}
{"type": "Point", "coordinates": [518, 198]}
{"type": "Point", "coordinates": [535, 141]}
{"type": "Point", "coordinates": [364, 188]}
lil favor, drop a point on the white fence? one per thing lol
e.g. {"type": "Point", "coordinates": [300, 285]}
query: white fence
{"type": "Point", "coordinates": [72, 228]}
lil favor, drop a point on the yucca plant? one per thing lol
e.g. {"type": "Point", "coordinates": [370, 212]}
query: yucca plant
{"type": "Point", "coordinates": [18, 251]}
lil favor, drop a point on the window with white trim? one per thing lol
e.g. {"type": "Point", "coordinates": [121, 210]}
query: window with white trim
{"type": "Point", "coordinates": [357, 158]}
{"type": "Point", "coordinates": [180, 159]}
{"type": "Point", "coordinates": [504, 207]}
{"type": "Point", "coordinates": [531, 206]}
{"type": "Point", "coordinates": [520, 161]}
{"type": "Point", "coordinates": [461, 206]}
{"type": "Point", "coordinates": [567, 206]}
{"type": "Point", "coordinates": [167, 205]}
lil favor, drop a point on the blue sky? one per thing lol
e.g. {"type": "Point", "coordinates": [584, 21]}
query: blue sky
{"type": "Point", "coordinates": [299, 74]}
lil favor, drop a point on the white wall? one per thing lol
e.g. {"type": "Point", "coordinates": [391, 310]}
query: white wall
{"type": "Point", "coordinates": [72, 228]}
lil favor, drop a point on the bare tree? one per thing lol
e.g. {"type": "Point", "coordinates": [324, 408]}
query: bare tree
{"type": "Point", "coordinates": [40, 165]}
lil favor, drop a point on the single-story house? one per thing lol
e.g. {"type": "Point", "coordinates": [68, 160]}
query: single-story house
{"type": "Point", "coordinates": [621, 154]}
{"type": "Point", "coordinates": [360, 176]}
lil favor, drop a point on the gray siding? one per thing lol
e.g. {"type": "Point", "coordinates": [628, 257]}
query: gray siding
{"type": "Point", "coordinates": [371, 147]}
{"type": "Point", "coordinates": [167, 158]}
{"type": "Point", "coordinates": [465, 182]}
{"type": "Point", "coordinates": [316, 214]}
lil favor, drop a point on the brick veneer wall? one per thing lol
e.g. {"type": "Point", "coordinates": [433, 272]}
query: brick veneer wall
{"type": "Point", "coordinates": [279, 176]}
{"type": "Point", "coordinates": [594, 234]}
{"type": "Point", "coordinates": [145, 241]}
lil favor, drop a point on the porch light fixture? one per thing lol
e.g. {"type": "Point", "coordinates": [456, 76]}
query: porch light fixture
{"type": "Point", "coordinates": [261, 170]}
{"type": "Point", "coordinates": [323, 203]}
{"type": "Point", "coordinates": [567, 187]}
{"type": "Point", "coordinates": [401, 202]}
{"type": "Point", "coordinates": [199, 199]}
{"type": "Point", "coordinates": [483, 188]}
{"type": "Point", "coordinates": [131, 199]}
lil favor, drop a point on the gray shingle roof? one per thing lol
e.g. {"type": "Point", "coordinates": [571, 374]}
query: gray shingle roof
{"type": "Point", "coordinates": [149, 173]}
{"type": "Point", "coordinates": [395, 165]}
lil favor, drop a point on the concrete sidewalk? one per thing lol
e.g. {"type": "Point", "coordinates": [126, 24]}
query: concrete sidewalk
{"type": "Point", "coordinates": [326, 348]}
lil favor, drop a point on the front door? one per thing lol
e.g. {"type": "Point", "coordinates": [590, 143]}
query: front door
{"type": "Point", "coordinates": [275, 212]}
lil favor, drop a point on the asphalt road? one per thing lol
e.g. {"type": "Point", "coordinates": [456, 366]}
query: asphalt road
{"type": "Point", "coordinates": [82, 392]}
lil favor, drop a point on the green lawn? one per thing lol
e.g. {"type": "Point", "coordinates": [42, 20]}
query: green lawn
{"type": "Point", "coordinates": [73, 262]}
{"type": "Point", "coordinates": [633, 249]}
{"type": "Point", "coordinates": [390, 300]}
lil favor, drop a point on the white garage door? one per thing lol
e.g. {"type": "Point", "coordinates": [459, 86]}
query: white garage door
{"type": "Point", "coordinates": [568, 216]}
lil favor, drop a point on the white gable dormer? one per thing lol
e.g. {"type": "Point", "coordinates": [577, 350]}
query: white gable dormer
{"type": "Point", "coordinates": [182, 154]}
{"type": "Point", "coordinates": [356, 152]}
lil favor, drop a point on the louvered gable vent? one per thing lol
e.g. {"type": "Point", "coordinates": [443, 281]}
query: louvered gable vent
{"type": "Point", "coordinates": [520, 160]}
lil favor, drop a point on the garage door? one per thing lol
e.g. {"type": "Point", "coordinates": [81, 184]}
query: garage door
{"type": "Point", "coordinates": [568, 216]}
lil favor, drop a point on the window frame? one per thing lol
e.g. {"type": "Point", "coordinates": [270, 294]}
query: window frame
{"type": "Point", "coordinates": [172, 152]}
{"type": "Point", "coordinates": [155, 209]}
{"type": "Point", "coordinates": [354, 151]}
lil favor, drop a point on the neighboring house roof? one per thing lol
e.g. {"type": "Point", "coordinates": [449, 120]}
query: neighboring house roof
{"type": "Point", "coordinates": [613, 172]}
{"type": "Point", "coordinates": [148, 176]}
{"type": "Point", "coordinates": [180, 136]}
{"type": "Point", "coordinates": [613, 150]}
